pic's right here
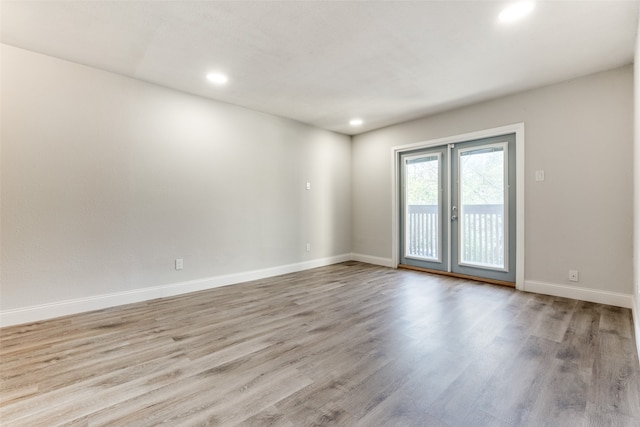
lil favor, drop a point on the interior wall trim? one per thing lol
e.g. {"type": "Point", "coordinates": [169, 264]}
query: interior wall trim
{"type": "Point", "coordinates": [37, 313]}
{"type": "Point", "coordinates": [79, 305]}
{"type": "Point", "coordinates": [636, 324]}
{"type": "Point", "coordinates": [384, 262]}
{"type": "Point", "coordinates": [582, 294]}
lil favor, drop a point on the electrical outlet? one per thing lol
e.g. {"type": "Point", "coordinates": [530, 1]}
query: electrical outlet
{"type": "Point", "coordinates": [179, 263]}
{"type": "Point", "coordinates": [573, 275]}
{"type": "Point", "coordinates": [308, 247]}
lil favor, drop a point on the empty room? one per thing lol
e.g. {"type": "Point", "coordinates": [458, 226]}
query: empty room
{"type": "Point", "coordinates": [340, 213]}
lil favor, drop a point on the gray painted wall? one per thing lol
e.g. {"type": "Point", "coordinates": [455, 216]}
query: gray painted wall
{"type": "Point", "coordinates": [581, 217]}
{"type": "Point", "coordinates": [106, 180]}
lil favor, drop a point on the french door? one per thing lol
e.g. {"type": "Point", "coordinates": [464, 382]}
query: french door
{"type": "Point", "coordinates": [458, 208]}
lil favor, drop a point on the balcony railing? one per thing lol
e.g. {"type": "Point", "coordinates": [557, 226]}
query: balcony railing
{"type": "Point", "coordinates": [422, 231]}
{"type": "Point", "coordinates": [482, 233]}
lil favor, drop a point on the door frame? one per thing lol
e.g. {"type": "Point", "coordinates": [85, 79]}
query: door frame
{"type": "Point", "coordinates": [396, 151]}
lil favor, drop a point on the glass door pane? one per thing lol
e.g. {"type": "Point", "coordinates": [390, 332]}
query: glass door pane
{"type": "Point", "coordinates": [422, 214]}
{"type": "Point", "coordinates": [482, 194]}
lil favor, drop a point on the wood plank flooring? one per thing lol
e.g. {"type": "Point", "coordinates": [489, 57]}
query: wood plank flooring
{"type": "Point", "coordinates": [347, 345]}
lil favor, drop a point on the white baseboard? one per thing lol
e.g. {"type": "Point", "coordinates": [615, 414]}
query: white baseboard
{"type": "Point", "coordinates": [636, 322]}
{"type": "Point", "coordinates": [384, 262]}
{"type": "Point", "coordinates": [583, 294]}
{"type": "Point", "coordinates": [78, 305]}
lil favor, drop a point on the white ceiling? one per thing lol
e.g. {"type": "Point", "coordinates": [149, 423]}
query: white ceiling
{"type": "Point", "coordinates": [324, 62]}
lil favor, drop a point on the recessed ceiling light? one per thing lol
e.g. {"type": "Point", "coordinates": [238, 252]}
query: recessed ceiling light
{"type": "Point", "coordinates": [515, 11]}
{"type": "Point", "coordinates": [356, 122]}
{"type": "Point", "coordinates": [217, 78]}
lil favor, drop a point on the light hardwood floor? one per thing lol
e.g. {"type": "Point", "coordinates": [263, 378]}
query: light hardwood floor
{"type": "Point", "coordinates": [348, 344]}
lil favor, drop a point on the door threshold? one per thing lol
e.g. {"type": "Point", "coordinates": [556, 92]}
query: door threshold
{"type": "Point", "coordinates": [458, 275]}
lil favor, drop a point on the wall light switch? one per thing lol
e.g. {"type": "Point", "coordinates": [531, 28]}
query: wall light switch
{"type": "Point", "coordinates": [540, 175]}
{"type": "Point", "coordinates": [308, 186]}
{"type": "Point", "coordinates": [179, 264]}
